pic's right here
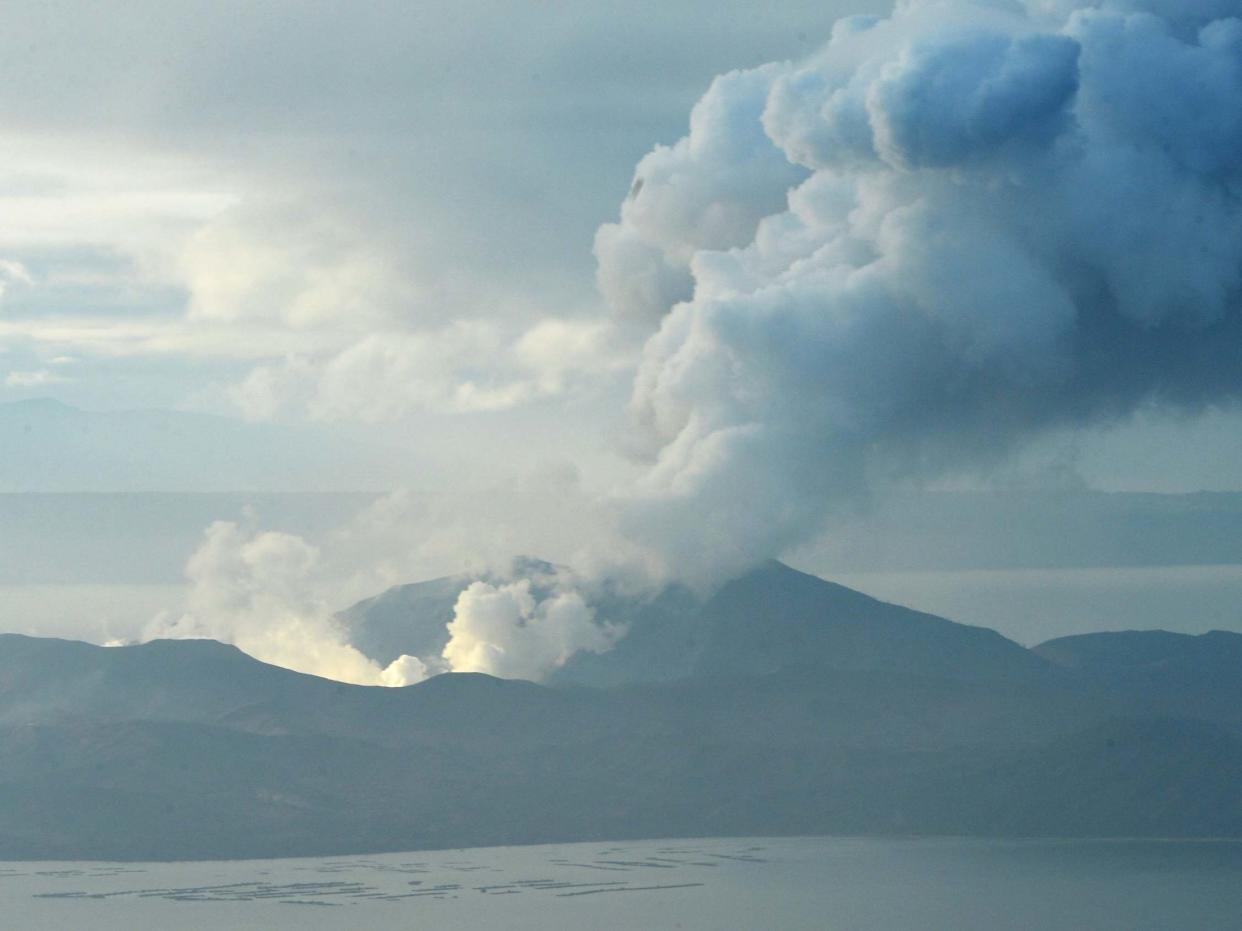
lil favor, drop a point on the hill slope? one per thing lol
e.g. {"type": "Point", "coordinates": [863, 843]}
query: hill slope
{"type": "Point", "coordinates": [772, 618]}
{"type": "Point", "coordinates": [189, 749]}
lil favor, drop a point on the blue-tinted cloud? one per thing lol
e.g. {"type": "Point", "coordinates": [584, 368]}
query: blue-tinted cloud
{"type": "Point", "coordinates": [1016, 217]}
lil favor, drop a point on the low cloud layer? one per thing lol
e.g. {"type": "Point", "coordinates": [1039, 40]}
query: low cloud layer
{"type": "Point", "coordinates": [465, 367]}
{"type": "Point", "coordinates": [946, 233]}
{"type": "Point", "coordinates": [208, 191]}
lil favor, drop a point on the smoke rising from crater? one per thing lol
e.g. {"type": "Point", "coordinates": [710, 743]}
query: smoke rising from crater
{"type": "Point", "coordinates": [943, 235]}
{"type": "Point", "coordinates": [263, 592]}
{"type": "Point", "coordinates": [516, 629]}
{"type": "Point", "coordinates": [947, 232]}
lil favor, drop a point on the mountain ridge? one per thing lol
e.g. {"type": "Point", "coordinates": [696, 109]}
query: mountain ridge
{"type": "Point", "coordinates": [193, 750]}
{"type": "Point", "coordinates": [768, 618]}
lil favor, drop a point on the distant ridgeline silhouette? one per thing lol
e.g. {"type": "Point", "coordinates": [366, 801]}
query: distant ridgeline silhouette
{"type": "Point", "coordinates": [782, 704]}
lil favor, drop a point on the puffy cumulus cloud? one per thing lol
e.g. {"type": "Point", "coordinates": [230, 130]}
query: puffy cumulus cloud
{"type": "Point", "coordinates": [635, 277]}
{"type": "Point", "coordinates": [13, 273]}
{"type": "Point", "coordinates": [469, 366]}
{"type": "Point", "coordinates": [136, 254]}
{"type": "Point", "coordinates": [228, 191]}
{"type": "Point", "coordinates": [526, 628]}
{"type": "Point", "coordinates": [947, 232]}
{"type": "Point", "coordinates": [1185, 17]}
{"type": "Point", "coordinates": [706, 192]}
{"type": "Point", "coordinates": [329, 308]}
{"type": "Point", "coordinates": [33, 378]}
{"type": "Point", "coordinates": [279, 263]}
{"type": "Point", "coordinates": [260, 592]}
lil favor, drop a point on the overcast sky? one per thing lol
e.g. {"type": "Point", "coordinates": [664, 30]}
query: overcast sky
{"type": "Point", "coordinates": [659, 289]}
{"type": "Point", "coordinates": [378, 213]}
{"type": "Point", "coordinates": [191, 190]}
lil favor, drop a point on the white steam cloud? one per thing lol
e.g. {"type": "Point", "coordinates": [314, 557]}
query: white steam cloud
{"type": "Point", "coordinates": [276, 595]}
{"type": "Point", "coordinates": [258, 591]}
{"type": "Point", "coordinates": [518, 631]}
{"type": "Point", "coordinates": [949, 230]}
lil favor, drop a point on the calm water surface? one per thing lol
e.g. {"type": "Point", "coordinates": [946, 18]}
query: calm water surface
{"type": "Point", "coordinates": [803, 883]}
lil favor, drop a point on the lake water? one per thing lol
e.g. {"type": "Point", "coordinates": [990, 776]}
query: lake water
{"type": "Point", "coordinates": [826, 884]}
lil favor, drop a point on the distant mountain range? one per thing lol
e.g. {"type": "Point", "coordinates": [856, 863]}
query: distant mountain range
{"type": "Point", "coordinates": [155, 477]}
{"type": "Point", "coordinates": [783, 704]}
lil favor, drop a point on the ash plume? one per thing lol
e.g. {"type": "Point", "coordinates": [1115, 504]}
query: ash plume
{"type": "Point", "coordinates": [947, 232]}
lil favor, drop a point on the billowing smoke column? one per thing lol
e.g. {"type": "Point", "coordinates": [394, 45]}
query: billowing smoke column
{"type": "Point", "coordinates": [951, 229]}
{"type": "Point", "coordinates": [269, 593]}
{"type": "Point", "coordinates": [524, 628]}
{"type": "Point", "coordinates": [258, 591]}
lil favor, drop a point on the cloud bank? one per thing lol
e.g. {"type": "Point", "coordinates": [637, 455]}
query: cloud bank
{"type": "Point", "coordinates": [947, 232]}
